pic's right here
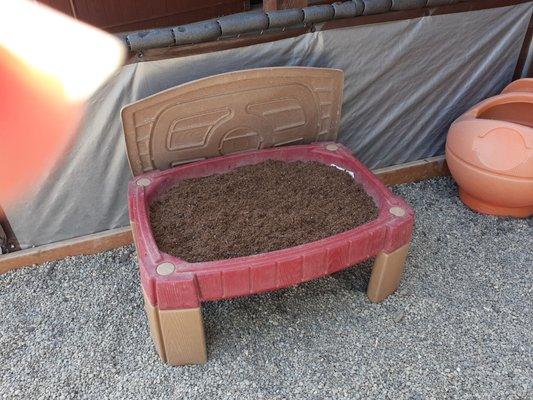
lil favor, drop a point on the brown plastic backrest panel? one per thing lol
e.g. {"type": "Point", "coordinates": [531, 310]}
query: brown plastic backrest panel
{"type": "Point", "coordinates": [233, 112]}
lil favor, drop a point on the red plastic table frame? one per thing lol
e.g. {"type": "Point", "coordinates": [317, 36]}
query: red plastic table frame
{"type": "Point", "coordinates": [174, 288]}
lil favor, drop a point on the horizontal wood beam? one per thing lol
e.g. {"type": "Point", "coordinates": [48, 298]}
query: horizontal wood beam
{"type": "Point", "coordinates": [113, 238]}
{"type": "Point", "coordinates": [257, 38]}
{"type": "Point", "coordinates": [414, 171]}
{"type": "Point", "coordinates": [89, 244]}
{"type": "Point", "coordinates": [271, 5]}
{"type": "Point", "coordinates": [219, 45]}
{"type": "Point", "coordinates": [465, 6]}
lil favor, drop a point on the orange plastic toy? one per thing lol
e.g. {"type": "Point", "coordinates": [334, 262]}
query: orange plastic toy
{"type": "Point", "coordinates": [489, 151]}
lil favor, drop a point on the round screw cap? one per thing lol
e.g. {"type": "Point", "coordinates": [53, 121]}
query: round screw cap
{"type": "Point", "coordinates": [165, 268]}
{"type": "Point", "coordinates": [397, 211]}
{"type": "Point", "coordinates": [144, 182]}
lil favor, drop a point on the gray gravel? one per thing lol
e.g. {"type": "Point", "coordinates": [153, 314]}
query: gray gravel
{"type": "Point", "coordinates": [460, 325]}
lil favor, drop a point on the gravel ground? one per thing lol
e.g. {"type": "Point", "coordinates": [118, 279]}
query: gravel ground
{"type": "Point", "coordinates": [460, 325]}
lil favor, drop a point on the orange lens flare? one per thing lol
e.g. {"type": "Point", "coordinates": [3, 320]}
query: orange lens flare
{"type": "Point", "coordinates": [36, 124]}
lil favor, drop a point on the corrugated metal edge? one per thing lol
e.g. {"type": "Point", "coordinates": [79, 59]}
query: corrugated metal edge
{"type": "Point", "coordinates": [259, 21]}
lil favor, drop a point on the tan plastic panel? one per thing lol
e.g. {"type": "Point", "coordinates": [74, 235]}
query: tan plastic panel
{"type": "Point", "coordinates": [233, 112]}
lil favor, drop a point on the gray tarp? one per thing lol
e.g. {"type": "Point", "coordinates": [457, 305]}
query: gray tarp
{"type": "Point", "coordinates": [405, 82]}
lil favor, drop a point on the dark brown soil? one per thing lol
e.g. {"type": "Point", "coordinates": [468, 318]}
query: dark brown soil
{"type": "Point", "coordinates": [258, 208]}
